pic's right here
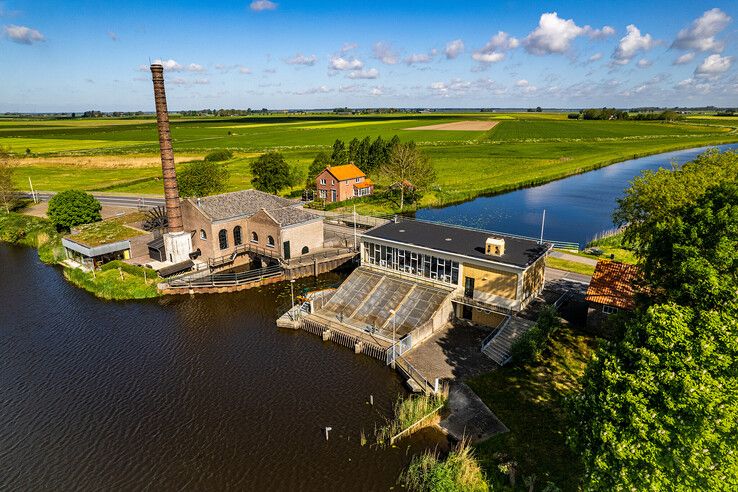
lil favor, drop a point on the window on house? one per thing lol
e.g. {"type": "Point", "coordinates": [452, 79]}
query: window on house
{"type": "Point", "coordinates": [358, 180]}
{"type": "Point", "coordinates": [333, 182]}
{"type": "Point", "coordinates": [203, 235]}
{"type": "Point", "coordinates": [305, 250]}
{"type": "Point", "coordinates": [254, 237]}
{"type": "Point", "coordinates": [322, 181]}
{"type": "Point", "coordinates": [270, 241]}
{"type": "Point", "coordinates": [322, 194]}
{"type": "Point", "coordinates": [609, 309]}
{"type": "Point", "coordinates": [237, 240]}
{"type": "Point", "coordinates": [223, 239]}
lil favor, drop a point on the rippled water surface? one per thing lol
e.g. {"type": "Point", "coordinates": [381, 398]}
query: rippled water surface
{"type": "Point", "coordinates": [185, 392]}
{"type": "Point", "coordinates": [577, 208]}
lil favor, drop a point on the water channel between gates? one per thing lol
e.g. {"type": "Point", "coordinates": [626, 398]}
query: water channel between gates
{"type": "Point", "coordinates": [205, 392]}
{"type": "Point", "coordinates": [577, 208]}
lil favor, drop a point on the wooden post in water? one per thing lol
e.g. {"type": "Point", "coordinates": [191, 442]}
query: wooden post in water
{"type": "Point", "coordinates": [327, 430]}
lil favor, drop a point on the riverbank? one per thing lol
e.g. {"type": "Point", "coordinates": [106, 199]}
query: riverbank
{"type": "Point", "coordinates": [518, 175]}
{"type": "Point", "coordinates": [114, 281]}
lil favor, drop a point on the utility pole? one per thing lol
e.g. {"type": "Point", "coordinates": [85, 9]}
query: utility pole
{"type": "Point", "coordinates": [394, 354]}
{"type": "Point", "coordinates": [354, 226]}
{"type": "Point", "coordinates": [543, 222]}
{"type": "Point", "coordinates": [292, 292]}
{"type": "Point", "coordinates": [33, 194]}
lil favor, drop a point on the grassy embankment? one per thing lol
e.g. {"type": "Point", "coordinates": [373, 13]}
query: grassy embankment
{"type": "Point", "coordinates": [130, 282]}
{"type": "Point", "coordinates": [408, 412]}
{"type": "Point", "coordinates": [459, 471]}
{"type": "Point", "coordinates": [611, 248]}
{"type": "Point", "coordinates": [521, 150]}
{"type": "Point", "coordinates": [529, 399]}
{"type": "Point", "coordinates": [569, 266]}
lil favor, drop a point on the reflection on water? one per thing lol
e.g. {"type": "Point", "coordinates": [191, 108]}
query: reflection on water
{"type": "Point", "coordinates": [577, 208]}
{"type": "Point", "coordinates": [183, 392]}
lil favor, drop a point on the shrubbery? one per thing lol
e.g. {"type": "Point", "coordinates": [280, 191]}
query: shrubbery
{"type": "Point", "coordinates": [531, 343]}
{"type": "Point", "coordinates": [73, 207]}
{"type": "Point", "coordinates": [219, 155]}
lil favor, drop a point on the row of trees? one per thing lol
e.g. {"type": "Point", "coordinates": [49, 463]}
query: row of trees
{"type": "Point", "coordinates": [617, 114]}
{"type": "Point", "coordinates": [658, 407]}
{"type": "Point", "coordinates": [367, 154]}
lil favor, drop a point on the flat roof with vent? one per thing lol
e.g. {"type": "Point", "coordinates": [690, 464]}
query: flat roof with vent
{"type": "Point", "coordinates": [470, 243]}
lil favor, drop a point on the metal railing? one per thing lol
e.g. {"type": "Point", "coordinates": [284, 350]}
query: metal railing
{"type": "Point", "coordinates": [318, 255]}
{"type": "Point", "coordinates": [227, 279]}
{"type": "Point", "coordinates": [488, 339]}
{"type": "Point", "coordinates": [240, 250]}
{"type": "Point", "coordinates": [485, 306]}
{"type": "Point", "coordinates": [416, 375]}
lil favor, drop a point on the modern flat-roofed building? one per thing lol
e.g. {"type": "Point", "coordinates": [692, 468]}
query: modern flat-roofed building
{"type": "Point", "coordinates": [339, 183]}
{"type": "Point", "coordinates": [489, 271]}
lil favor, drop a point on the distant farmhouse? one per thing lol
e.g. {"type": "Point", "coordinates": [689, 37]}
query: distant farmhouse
{"type": "Point", "coordinates": [611, 290]}
{"type": "Point", "coordinates": [339, 183]}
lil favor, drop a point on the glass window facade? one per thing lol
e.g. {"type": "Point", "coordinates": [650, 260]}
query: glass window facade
{"type": "Point", "coordinates": [412, 262]}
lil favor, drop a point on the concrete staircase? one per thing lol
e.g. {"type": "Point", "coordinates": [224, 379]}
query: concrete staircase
{"type": "Point", "coordinates": [498, 347]}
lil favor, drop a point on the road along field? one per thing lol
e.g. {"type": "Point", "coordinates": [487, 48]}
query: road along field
{"type": "Point", "coordinates": [517, 149]}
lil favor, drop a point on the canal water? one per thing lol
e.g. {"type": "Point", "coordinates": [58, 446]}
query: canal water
{"type": "Point", "coordinates": [196, 393]}
{"type": "Point", "coordinates": [577, 208]}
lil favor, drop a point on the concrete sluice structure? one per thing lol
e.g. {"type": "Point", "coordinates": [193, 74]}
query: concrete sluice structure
{"type": "Point", "coordinates": [371, 305]}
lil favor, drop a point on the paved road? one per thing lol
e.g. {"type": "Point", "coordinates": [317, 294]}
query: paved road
{"type": "Point", "coordinates": [574, 258]}
{"type": "Point", "coordinates": [132, 201]}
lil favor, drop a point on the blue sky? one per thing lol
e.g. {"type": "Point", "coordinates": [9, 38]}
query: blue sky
{"type": "Point", "coordinates": [79, 55]}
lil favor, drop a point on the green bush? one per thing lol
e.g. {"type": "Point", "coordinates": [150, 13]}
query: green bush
{"type": "Point", "coordinates": [219, 155]}
{"type": "Point", "coordinates": [459, 471]}
{"type": "Point", "coordinates": [73, 207]}
{"type": "Point", "coordinates": [529, 345]}
{"type": "Point", "coordinates": [128, 268]}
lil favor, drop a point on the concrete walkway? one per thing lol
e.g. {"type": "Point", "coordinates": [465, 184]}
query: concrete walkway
{"type": "Point", "coordinates": [469, 416]}
{"type": "Point", "coordinates": [575, 258]}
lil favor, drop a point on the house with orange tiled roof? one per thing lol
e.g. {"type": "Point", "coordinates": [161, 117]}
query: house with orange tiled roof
{"type": "Point", "coordinates": [612, 289]}
{"type": "Point", "coordinates": [339, 183]}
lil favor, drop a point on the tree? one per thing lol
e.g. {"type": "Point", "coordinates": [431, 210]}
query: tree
{"type": "Point", "coordinates": [652, 202]}
{"type": "Point", "coordinates": [219, 155]}
{"type": "Point", "coordinates": [407, 163]}
{"type": "Point", "coordinates": [362, 154]}
{"type": "Point", "coordinates": [271, 173]}
{"type": "Point", "coordinates": [376, 156]}
{"type": "Point", "coordinates": [203, 178]}
{"type": "Point", "coordinates": [73, 207]}
{"type": "Point", "coordinates": [659, 410]}
{"type": "Point", "coordinates": [339, 155]}
{"type": "Point", "coordinates": [321, 161]}
{"type": "Point", "coordinates": [7, 188]}
{"type": "Point", "coordinates": [692, 257]}
{"type": "Point", "coordinates": [353, 150]}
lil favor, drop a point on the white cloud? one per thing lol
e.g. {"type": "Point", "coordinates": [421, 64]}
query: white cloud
{"type": "Point", "coordinates": [169, 65]}
{"type": "Point", "coordinates": [23, 34]}
{"type": "Point", "coordinates": [384, 53]}
{"type": "Point", "coordinates": [300, 59]}
{"type": "Point", "coordinates": [488, 57]}
{"type": "Point", "coordinates": [353, 88]}
{"type": "Point", "coordinates": [553, 35]}
{"type": "Point", "coordinates": [348, 47]}
{"type": "Point", "coordinates": [522, 83]}
{"type": "Point", "coordinates": [420, 57]}
{"type": "Point", "coordinates": [371, 73]}
{"type": "Point", "coordinates": [113, 36]}
{"type": "Point", "coordinates": [644, 63]}
{"type": "Point", "coordinates": [595, 57]}
{"type": "Point", "coordinates": [603, 33]}
{"type": "Point", "coordinates": [685, 58]}
{"type": "Point", "coordinates": [459, 87]}
{"type": "Point", "coordinates": [631, 44]}
{"type": "Point", "coordinates": [260, 5]}
{"type": "Point", "coordinates": [454, 48]}
{"type": "Point", "coordinates": [244, 70]}
{"type": "Point", "coordinates": [341, 63]}
{"type": "Point", "coordinates": [313, 90]}
{"type": "Point", "coordinates": [194, 67]}
{"type": "Point", "coordinates": [713, 66]}
{"type": "Point", "coordinates": [377, 91]}
{"type": "Point", "coordinates": [496, 48]}
{"type": "Point", "coordinates": [700, 35]}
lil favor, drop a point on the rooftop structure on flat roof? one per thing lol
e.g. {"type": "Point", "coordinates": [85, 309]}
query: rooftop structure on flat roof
{"type": "Point", "coordinates": [469, 243]}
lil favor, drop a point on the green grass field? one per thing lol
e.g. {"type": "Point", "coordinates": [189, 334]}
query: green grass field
{"type": "Point", "coordinates": [523, 149]}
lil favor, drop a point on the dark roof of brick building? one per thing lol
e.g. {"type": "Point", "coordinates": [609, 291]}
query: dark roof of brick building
{"type": "Point", "coordinates": [246, 203]}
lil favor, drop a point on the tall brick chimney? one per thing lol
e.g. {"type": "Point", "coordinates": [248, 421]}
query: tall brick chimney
{"type": "Point", "coordinates": [177, 242]}
{"type": "Point", "coordinates": [171, 190]}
